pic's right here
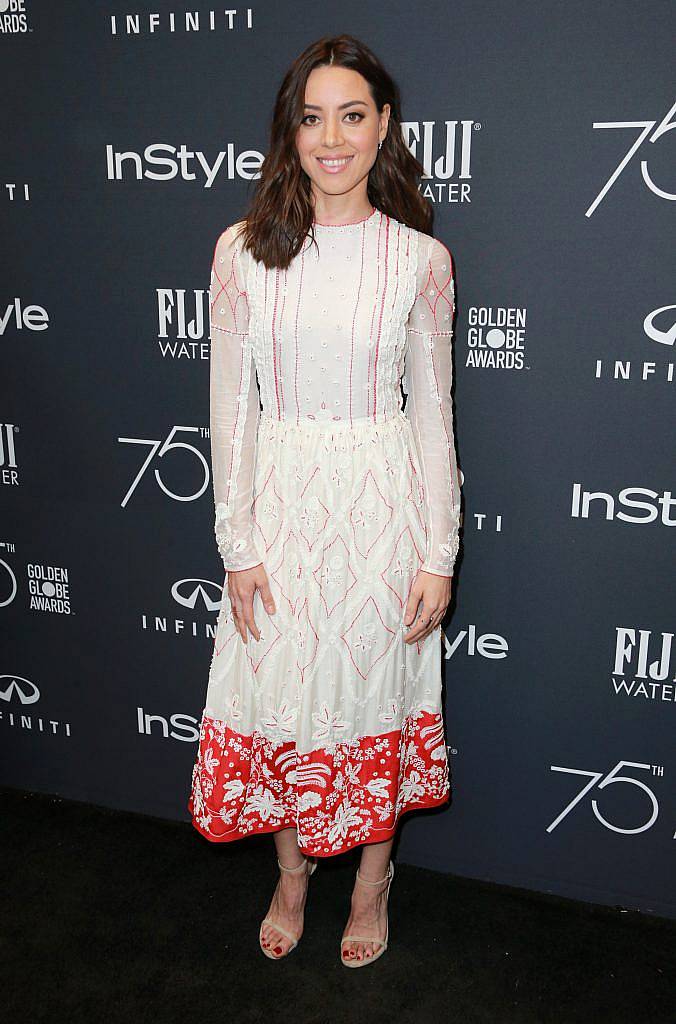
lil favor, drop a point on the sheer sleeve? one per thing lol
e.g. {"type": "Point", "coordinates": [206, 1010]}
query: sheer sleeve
{"type": "Point", "coordinates": [234, 406]}
{"type": "Point", "coordinates": [428, 377]}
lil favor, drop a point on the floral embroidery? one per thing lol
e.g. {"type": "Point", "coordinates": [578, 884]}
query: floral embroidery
{"type": "Point", "coordinates": [340, 795]}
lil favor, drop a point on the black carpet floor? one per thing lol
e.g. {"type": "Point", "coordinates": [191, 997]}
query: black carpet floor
{"type": "Point", "coordinates": [114, 917]}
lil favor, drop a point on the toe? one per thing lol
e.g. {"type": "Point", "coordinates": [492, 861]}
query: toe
{"type": "Point", "coordinates": [272, 939]}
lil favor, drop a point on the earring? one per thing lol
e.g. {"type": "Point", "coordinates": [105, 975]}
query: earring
{"type": "Point", "coordinates": [380, 144]}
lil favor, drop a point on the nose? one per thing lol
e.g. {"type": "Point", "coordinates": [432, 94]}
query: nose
{"type": "Point", "coordinates": [332, 132]}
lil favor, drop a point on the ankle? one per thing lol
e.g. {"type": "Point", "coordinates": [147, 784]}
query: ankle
{"type": "Point", "coordinates": [293, 869]}
{"type": "Point", "coordinates": [374, 879]}
{"type": "Point", "coordinates": [368, 887]}
{"type": "Point", "coordinates": [293, 887]}
{"type": "Point", "coordinates": [367, 902]}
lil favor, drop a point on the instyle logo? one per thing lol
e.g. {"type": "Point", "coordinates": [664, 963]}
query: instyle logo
{"type": "Point", "coordinates": [445, 151]}
{"type": "Point", "coordinates": [181, 317]}
{"type": "Point", "coordinates": [659, 328]}
{"type": "Point", "coordinates": [163, 162]}
{"type": "Point", "coordinates": [13, 17]}
{"type": "Point", "coordinates": [186, 21]}
{"type": "Point", "coordinates": [30, 318]}
{"type": "Point", "coordinates": [641, 134]}
{"type": "Point", "coordinates": [656, 506]}
{"type": "Point", "coordinates": [183, 727]}
{"type": "Point", "coordinates": [484, 645]}
{"type": "Point", "coordinates": [496, 337]}
{"type": "Point", "coordinates": [634, 673]}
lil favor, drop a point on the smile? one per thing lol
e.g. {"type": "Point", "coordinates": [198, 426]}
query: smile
{"type": "Point", "coordinates": [333, 165]}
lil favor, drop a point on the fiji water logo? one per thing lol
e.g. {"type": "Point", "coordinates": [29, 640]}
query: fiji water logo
{"type": "Point", "coordinates": [643, 664]}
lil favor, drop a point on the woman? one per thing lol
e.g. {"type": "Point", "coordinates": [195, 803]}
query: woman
{"type": "Point", "coordinates": [337, 512]}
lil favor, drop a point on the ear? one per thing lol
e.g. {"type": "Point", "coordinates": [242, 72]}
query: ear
{"type": "Point", "coordinates": [385, 119]}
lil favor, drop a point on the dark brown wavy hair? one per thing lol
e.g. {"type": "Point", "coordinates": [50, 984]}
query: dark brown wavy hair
{"type": "Point", "coordinates": [281, 212]}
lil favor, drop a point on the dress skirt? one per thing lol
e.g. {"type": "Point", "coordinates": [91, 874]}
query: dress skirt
{"type": "Point", "coordinates": [330, 722]}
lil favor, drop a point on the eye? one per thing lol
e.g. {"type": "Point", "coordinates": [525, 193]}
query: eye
{"type": "Point", "coordinates": [352, 113]}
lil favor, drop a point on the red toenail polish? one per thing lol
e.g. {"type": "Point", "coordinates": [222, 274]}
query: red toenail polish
{"type": "Point", "coordinates": [278, 950]}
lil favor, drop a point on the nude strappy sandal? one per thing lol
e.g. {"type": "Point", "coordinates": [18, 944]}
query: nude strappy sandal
{"type": "Point", "coordinates": [278, 927]}
{"type": "Point", "coordinates": [369, 938]}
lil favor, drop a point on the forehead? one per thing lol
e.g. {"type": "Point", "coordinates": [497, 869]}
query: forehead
{"type": "Point", "coordinates": [329, 86]}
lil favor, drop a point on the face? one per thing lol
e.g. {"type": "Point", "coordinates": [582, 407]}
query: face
{"type": "Point", "coordinates": [338, 138]}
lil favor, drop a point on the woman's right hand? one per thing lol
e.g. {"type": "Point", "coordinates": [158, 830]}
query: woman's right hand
{"type": "Point", "coordinates": [242, 586]}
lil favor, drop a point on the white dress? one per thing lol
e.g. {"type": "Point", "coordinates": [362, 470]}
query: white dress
{"type": "Point", "coordinates": [329, 722]}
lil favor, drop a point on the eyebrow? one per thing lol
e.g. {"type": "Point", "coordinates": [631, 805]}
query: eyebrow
{"type": "Point", "coordinates": [351, 103]}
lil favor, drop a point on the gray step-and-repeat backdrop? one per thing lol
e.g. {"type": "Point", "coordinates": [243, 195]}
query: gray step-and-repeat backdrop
{"type": "Point", "coordinates": [132, 136]}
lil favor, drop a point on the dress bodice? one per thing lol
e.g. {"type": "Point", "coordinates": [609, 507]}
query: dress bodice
{"type": "Point", "coordinates": [361, 309]}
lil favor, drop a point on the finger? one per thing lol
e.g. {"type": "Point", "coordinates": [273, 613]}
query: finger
{"type": "Point", "coordinates": [248, 616]}
{"type": "Point", "coordinates": [411, 606]}
{"type": "Point", "coordinates": [267, 598]}
{"type": "Point", "coordinates": [236, 605]}
{"type": "Point", "coordinates": [418, 626]}
{"type": "Point", "coordinates": [438, 618]}
{"type": "Point", "coordinates": [434, 622]}
{"type": "Point", "coordinates": [239, 626]}
{"type": "Point", "coordinates": [423, 626]}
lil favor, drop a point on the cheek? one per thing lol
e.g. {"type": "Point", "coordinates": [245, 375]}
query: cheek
{"type": "Point", "coordinates": [302, 145]}
{"type": "Point", "coordinates": [306, 162]}
{"type": "Point", "coordinates": [364, 139]}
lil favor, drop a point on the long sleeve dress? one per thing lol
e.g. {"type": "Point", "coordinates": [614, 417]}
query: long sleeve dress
{"type": "Point", "coordinates": [329, 722]}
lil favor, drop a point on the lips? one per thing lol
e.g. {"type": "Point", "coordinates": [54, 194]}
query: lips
{"type": "Point", "coordinates": [333, 164]}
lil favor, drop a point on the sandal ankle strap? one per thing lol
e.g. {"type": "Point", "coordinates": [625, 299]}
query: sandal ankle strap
{"type": "Point", "coordinates": [295, 870]}
{"type": "Point", "coordinates": [385, 879]}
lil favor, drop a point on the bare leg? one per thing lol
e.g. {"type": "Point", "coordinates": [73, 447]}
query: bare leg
{"type": "Point", "coordinates": [288, 900]}
{"type": "Point", "coordinates": [368, 912]}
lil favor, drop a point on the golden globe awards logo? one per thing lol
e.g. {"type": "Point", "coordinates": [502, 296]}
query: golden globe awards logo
{"type": "Point", "coordinates": [496, 338]}
{"type": "Point", "coordinates": [13, 17]}
{"type": "Point", "coordinates": [49, 588]}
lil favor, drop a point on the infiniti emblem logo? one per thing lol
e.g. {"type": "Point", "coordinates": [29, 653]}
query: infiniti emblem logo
{"type": "Point", "coordinates": [189, 592]}
{"type": "Point", "coordinates": [664, 335]}
{"type": "Point", "coordinates": [25, 690]}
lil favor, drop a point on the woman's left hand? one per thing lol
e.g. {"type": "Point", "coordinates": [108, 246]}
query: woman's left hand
{"type": "Point", "coordinates": [433, 593]}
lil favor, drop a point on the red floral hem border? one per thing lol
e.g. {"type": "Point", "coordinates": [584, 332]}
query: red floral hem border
{"type": "Point", "coordinates": [339, 796]}
{"type": "Point", "coordinates": [308, 851]}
